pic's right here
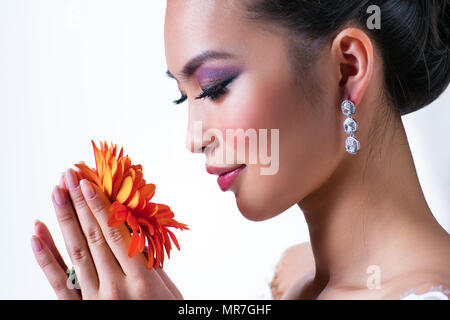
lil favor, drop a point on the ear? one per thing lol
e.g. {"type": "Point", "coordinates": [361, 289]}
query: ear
{"type": "Point", "coordinates": [353, 49]}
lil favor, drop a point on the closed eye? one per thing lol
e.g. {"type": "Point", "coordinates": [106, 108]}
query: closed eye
{"type": "Point", "coordinates": [180, 100]}
{"type": "Point", "coordinates": [217, 90]}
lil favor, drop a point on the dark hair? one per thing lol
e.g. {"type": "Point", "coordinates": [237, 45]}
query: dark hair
{"type": "Point", "coordinates": [413, 39]}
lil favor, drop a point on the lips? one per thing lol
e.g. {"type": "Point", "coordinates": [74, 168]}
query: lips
{"type": "Point", "coordinates": [221, 170]}
{"type": "Point", "coordinates": [227, 175]}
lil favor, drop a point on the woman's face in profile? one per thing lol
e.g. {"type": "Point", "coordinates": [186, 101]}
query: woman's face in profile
{"type": "Point", "coordinates": [242, 78]}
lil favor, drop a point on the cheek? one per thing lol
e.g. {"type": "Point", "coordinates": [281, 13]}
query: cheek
{"type": "Point", "coordinates": [306, 146]}
{"type": "Point", "coordinates": [254, 105]}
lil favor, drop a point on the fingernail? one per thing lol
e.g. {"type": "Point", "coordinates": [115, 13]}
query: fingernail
{"type": "Point", "coordinates": [72, 179]}
{"type": "Point", "coordinates": [60, 196]}
{"type": "Point", "coordinates": [36, 244]}
{"type": "Point", "coordinates": [62, 183]}
{"type": "Point", "coordinates": [87, 189]}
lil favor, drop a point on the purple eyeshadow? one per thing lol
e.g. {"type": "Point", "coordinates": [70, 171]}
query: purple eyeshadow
{"type": "Point", "coordinates": [206, 76]}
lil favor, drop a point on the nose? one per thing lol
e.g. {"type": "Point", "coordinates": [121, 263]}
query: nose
{"type": "Point", "coordinates": [196, 140]}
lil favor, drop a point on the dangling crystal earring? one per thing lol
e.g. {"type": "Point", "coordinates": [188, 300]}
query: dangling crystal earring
{"type": "Point", "coordinates": [350, 126]}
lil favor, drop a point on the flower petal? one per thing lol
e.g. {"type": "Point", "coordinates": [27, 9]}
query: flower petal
{"type": "Point", "coordinates": [134, 201]}
{"type": "Point", "coordinates": [99, 160]}
{"type": "Point", "coordinates": [162, 256]}
{"type": "Point", "coordinates": [141, 240]}
{"type": "Point", "coordinates": [164, 214]}
{"type": "Point", "coordinates": [118, 215]}
{"type": "Point", "coordinates": [151, 229]}
{"type": "Point", "coordinates": [126, 163]}
{"type": "Point", "coordinates": [167, 243]}
{"type": "Point", "coordinates": [125, 190]}
{"type": "Point", "coordinates": [90, 175]}
{"type": "Point", "coordinates": [131, 173]}
{"type": "Point", "coordinates": [174, 239]}
{"type": "Point", "coordinates": [107, 155]}
{"type": "Point", "coordinates": [151, 209]}
{"type": "Point", "coordinates": [132, 221]}
{"type": "Point", "coordinates": [141, 204]}
{"type": "Point", "coordinates": [114, 149]}
{"type": "Point", "coordinates": [148, 190]}
{"type": "Point", "coordinates": [117, 182]}
{"type": "Point", "coordinates": [151, 253]}
{"type": "Point", "coordinates": [139, 181]}
{"type": "Point", "coordinates": [157, 250]}
{"type": "Point", "coordinates": [113, 166]}
{"type": "Point", "coordinates": [183, 226]}
{"type": "Point", "coordinates": [162, 209]}
{"type": "Point", "coordinates": [132, 250]}
{"type": "Point", "coordinates": [107, 182]}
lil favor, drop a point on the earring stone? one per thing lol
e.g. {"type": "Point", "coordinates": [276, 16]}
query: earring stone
{"type": "Point", "coordinates": [348, 108]}
{"type": "Point", "coordinates": [350, 126]}
{"type": "Point", "coordinates": [352, 145]}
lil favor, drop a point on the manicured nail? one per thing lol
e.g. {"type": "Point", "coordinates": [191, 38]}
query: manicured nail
{"type": "Point", "coordinates": [62, 183]}
{"type": "Point", "coordinates": [87, 189]}
{"type": "Point", "coordinates": [36, 244]}
{"type": "Point", "coordinates": [72, 179]}
{"type": "Point", "coordinates": [60, 196]}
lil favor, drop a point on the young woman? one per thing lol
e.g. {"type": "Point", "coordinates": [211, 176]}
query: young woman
{"type": "Point", "coordinates": [304, 68]}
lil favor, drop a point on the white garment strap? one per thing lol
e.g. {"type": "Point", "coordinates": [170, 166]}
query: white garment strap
{"type": "Point", "coordinates": [430, 295]}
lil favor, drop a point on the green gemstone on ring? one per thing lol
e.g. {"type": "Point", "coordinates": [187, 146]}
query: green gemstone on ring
{"type": "Point", "coordinates": [73, 278]}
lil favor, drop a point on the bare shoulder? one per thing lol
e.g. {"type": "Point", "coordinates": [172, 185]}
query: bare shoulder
{"type": "Point", "coordinates": [296, 262]}
{"type": "Point", "coordinates": [433, 276]}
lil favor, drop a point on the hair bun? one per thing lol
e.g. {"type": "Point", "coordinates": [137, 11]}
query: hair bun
{"type": "Point", "coordinates": [438, 23]}
{"type": "Point", "coordinates": [433, 60]}
{"type": "Point", "coordinates": [416, 35]}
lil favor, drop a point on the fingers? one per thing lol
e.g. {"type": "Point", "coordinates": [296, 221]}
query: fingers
{"type": "Point", "coordinates": [104, 260]}
{"type": "Point", "coordinates": [167, 281]}
{"type": "Point", "coordinates": [62, 183]}
{"type": "Point", "coordinates": [75, 242]}
{"type": "Point", "coordinates": [44, 235]}
{"type": "Point", "coordinates": [170, 285]}
{"type": "Point", "coordinates": [118, 238]}
{"type": "Point", "coordinates": [52, 270]}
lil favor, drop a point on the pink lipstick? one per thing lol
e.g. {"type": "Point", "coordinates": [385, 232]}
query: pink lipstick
{"type": "Point", "coordinates": [227, 175]}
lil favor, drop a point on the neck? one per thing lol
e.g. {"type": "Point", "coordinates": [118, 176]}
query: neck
{"type": "Point", "coordinates": [371, 211]}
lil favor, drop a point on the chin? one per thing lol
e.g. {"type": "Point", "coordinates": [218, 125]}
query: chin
{"type": "Point", "coordinates": [254, 210]}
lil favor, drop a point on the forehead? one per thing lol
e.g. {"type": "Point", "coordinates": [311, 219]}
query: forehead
{"type": "Point", "coordinates": [192, 26]}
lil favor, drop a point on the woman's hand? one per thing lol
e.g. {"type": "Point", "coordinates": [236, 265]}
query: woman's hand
{"type": "Point", "coordinates": [98, 252]}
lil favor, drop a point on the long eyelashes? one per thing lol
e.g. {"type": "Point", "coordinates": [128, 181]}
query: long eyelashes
{"type": "Point", "coordinates": [213, 92]}
{"type": "Point", "coordinates": [181, 100]}
{"type": "Point", "coordinates": [217, 90]}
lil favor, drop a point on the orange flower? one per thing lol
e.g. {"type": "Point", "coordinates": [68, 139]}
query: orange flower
{"type": "Point", "coordinates": [125, 186]}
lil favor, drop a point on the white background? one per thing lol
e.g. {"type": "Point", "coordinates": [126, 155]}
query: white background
{"type": "Point", "coordinates": [72, 71]}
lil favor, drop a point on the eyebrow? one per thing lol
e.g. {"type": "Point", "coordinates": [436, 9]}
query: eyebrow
{"type": "Point", "coordinates": [192, 65]}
